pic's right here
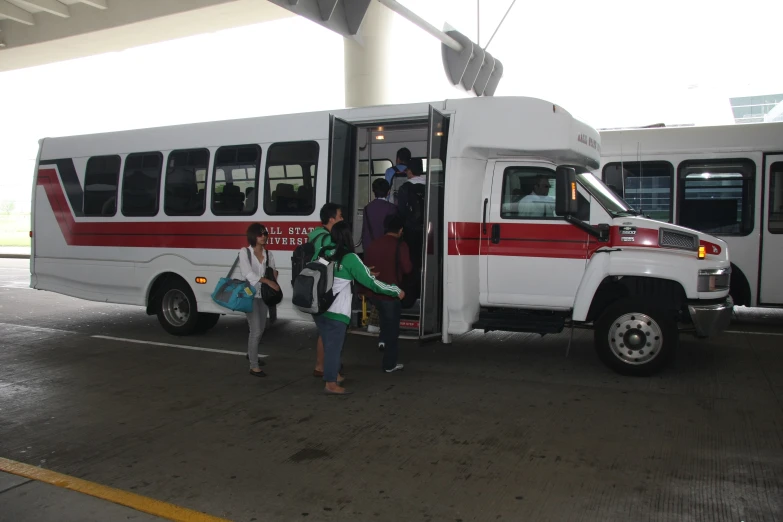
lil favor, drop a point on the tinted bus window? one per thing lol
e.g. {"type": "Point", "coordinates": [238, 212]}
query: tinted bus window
{"type": "Point", "coordinates": [141, 184]}
{"type": "Point", "coordinates": [100, 186]}
{"type": "Point", "coordinates": [235, 180]}
{"type": "Point", "coordinates": [717, 196]}
{"type": "Point", "coordinates": [290, 178]}
{"type": "Point", "coordinates": [186, 180]}
{"type": "Point", "coordinates": [645, 185]}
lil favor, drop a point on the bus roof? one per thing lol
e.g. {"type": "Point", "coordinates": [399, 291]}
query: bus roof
{"type": "Point", "coordinates": [491, 127]}
{"type": "Point", "coordinates": [724, 138]}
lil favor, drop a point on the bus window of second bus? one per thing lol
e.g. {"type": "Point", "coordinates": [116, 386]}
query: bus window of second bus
{"type": "Point", "coordinates": [646, 186]}
{"type": "Point", "coordinates": [716, 196]}
{"type": "Point", "coordinates": [776, 198]}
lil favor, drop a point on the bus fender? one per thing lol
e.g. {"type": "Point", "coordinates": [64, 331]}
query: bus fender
{"type": "Point", "coordinates": [638, 262]}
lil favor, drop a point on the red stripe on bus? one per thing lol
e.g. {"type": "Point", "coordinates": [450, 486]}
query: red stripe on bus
{"type": "Point", "coordinates": [163, 234]}
{"type": "Point", "coordinates": [553, 240]}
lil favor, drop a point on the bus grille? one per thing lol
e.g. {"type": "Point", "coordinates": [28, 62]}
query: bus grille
{"type": "Point", "coordinates": [673, 239]}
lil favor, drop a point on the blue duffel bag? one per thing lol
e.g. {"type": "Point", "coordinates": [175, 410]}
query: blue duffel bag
{"type": "Point", "coordinates": [234, 294]}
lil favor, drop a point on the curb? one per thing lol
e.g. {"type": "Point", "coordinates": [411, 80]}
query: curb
{"type": "Point", "coordinates": [15, 256]}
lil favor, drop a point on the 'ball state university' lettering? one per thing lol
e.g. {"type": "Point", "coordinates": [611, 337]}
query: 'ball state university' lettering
{"type": "Point", "coordinates": [295, 236]}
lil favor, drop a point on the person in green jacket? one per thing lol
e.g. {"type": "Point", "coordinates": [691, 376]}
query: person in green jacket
{"type": "Point", "coordinates": [330, 214]}
{"type": "Point", "coordinates": [333, 324]}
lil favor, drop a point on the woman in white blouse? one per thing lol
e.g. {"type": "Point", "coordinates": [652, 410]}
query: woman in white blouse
{"type": "Point", "coordinates": [253, 268]}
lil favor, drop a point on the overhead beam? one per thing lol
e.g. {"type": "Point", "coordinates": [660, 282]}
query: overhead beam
{"type": "Point", "coordinates": [17, 14]}
{"type": "Point", "coordinates": [354, 13]}
{"type": "Point", "coordinates": [326, 7]}
{"type": "Point", "coordinates": [49, 6]}
{"type": "Point", "coordinates": [98, 4]}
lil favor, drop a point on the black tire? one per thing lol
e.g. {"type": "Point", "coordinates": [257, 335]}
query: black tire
{"type": "Point", "coordinates": [634, 337]}
{"type": "Point", "coordinates": [176, 308]}
{"type": "Point", "coordinates": [206, 321]}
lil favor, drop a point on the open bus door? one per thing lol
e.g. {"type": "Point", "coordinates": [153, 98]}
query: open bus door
{"type": "Point", "coordinates": [770, 279]}
{"type": "Point", "coordinates": [431, 321]}
{"type": "Point", "coordinates": [341, 188]}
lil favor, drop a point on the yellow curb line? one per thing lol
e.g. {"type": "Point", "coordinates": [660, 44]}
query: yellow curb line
{"type": "Point", "coordinates": [118, 496]}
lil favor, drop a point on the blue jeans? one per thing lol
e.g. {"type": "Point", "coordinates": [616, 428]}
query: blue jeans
{"type": "Point", "coordinates": [333, 335]}
{"type": "Point", "coordinates": [390, 312]}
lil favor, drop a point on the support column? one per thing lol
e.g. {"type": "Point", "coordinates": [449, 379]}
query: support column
{"type": "Point", "coordinates": [368, 68]}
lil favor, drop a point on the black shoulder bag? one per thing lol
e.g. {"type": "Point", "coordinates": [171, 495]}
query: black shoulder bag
{"type": "Point", "coordinates": [269, 295]}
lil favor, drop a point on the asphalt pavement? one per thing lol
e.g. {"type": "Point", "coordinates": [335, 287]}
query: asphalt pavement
{"type": "Point", "coordinates": [492, 427]}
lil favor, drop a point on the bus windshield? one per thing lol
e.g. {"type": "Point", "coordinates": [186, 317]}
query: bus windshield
{"type": "Point", "coordinates": [608, 199]}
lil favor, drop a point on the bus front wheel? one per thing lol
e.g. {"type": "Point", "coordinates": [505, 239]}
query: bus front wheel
{"type": "Point", "coordinates": [177, 310]}
{"type": "Point", "coordinates": [636, 337]}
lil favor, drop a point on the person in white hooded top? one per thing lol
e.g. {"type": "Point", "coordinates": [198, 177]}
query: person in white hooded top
{"type": "Point", "coordinates": [253, 262]}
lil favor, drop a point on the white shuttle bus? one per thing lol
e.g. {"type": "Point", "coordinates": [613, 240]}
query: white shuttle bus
{"type": "Point", "coordinates": [726, 181]}
{"type": "Point", "coordinates": [520, 235]}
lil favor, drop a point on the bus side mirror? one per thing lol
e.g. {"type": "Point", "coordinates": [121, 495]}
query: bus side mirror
{"type": "Point", "coordinates": [565, 191]}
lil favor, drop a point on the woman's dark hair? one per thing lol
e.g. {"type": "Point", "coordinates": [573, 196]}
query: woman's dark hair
{"type": "Point", "coordinates": [343, 239]}
{"type": "Point", "coordinates": [253, 231]}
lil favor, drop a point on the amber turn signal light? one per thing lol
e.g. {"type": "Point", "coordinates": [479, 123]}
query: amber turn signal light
{"type": "Point", "coordinates": [702, 252]}
{"type": "Point", "coordinates": [201, 280]}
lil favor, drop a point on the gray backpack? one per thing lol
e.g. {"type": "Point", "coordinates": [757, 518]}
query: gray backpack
{"type": "Point", "coordinates": [313, 287]}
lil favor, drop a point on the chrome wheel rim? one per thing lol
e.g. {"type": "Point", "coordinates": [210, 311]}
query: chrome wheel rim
{"type": "Point", "coordinates": [176, 307]}
{"type": "Point", "coordinates": [635, 338]}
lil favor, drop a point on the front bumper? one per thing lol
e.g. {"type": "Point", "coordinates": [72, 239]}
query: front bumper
{"type": "Point", "coordinates": [711, 319]}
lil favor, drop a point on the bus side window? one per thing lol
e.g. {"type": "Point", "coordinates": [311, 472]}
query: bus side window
{"type": "Point", "coordinates": [776, 198]}
{"type": "Point", "coordinates": [100, 185]}
{"type": "Point", "coordinates": [646, 186]}
{"type": "Point", "coordinates": [141, 184]}
{"type": "Point", "coordinates": [289, 184]}
{"type": "Point", "coordinates": [717, 196]}
{"type": "Point", "coordinates": [235, 180]}
{"type": "Point", "coordinates": [186, 179]}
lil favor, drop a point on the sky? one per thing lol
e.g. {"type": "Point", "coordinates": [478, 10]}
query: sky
{"type": "Point", "coordinates": [611, 63]}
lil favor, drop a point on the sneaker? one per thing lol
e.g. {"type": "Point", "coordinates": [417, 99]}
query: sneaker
{"type": "Point", "coordinates": [381, 347]}
{"type": "Point", "coordinates": [398, 367]}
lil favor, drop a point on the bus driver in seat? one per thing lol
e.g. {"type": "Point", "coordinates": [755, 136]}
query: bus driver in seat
{"type": "Point", "coordinates": [538, 203]}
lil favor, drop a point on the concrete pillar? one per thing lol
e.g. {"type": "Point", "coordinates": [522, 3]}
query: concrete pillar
{"type": "Point", "coordinates": [368, 68]}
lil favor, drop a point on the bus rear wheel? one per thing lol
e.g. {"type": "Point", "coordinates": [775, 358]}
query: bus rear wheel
{"type": "Point", "coordinates": [634, 337]}
{"type": "Point", "coordinates": [177, 310]}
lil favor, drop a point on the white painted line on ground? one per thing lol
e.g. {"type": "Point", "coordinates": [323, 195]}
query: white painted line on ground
{"type": "Point", "coordinates": [184, 347]}
{"type": "Point", "coordinates": [752, 333]}
{"type": "Point", "coordinates": [37, 328]}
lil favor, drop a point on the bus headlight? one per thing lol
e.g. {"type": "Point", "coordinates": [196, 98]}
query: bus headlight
{"type": "Point", "coordinates": [714, 279]}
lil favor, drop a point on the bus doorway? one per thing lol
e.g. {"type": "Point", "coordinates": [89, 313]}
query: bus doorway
{"type": "Point", "coordinates": [362, 153]}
